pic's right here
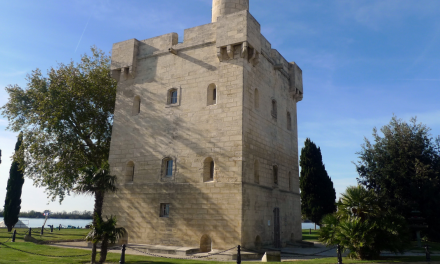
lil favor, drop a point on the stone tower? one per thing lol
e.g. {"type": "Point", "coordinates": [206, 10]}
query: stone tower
{"type": "Point", "coordinates": [226, 7]}
{"type": "Point", "coordinates": [204, 141]}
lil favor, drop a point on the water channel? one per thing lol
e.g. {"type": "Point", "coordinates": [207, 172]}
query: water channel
{"type": "Point", "coordinates": [38, 222]}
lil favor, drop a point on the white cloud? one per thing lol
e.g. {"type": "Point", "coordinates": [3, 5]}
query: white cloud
{"type": "Point", "coordinates": [380, 14]}
{"type": "Point", "coordinates": [3, 122]}
{"type": "Point", "coordinates": [131, 15]}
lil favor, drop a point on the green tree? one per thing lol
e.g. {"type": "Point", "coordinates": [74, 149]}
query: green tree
{"type": "Point", "coordinates": [362, 226]}
{"type": "Point", "coordinates": [402, 167]}
{"type": "Point", "coordinates": [13, 190]}
{"type": "Point", "coordinates": [66, 119]}
{"type": "Point", "coordinates": [317, 193]}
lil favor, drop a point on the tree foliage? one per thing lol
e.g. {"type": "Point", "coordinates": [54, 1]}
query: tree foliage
{"type": "Point", "coordinates": [13, 191]}
{"type": "Point", "coordinates": [317, 193]}
{"type": "Point", "coordinates": [403, 168]}
{"type": "Point", "coordinates": [66, 119]}
{"type": "Point", "coordinates": [363, 227]}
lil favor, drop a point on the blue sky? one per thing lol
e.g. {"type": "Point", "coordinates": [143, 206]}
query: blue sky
{"type": "Point", "coordinates": [362, 61]}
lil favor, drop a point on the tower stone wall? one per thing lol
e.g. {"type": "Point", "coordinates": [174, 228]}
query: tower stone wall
{"type": "Point", "coordinates": [226, 7]}
{"type": "Point", "coordinates": [191, 121]}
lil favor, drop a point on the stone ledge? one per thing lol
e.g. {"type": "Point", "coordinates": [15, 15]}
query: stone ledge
{"type": "Point", "coordinates": [171, 250]}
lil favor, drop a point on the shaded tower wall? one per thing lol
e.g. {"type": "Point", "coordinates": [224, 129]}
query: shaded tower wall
{"type": "Point", "coordinates": [270, 142]}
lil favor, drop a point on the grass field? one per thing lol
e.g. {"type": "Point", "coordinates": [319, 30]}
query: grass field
{"type": "Point", "coordinates": [63, 234]}
{"type": "Point", "coordinates": [11, 254]}
{"type": "Point", "coordinates": [310, 237]}
{"type": "Point", "coordinates": [433, 247]}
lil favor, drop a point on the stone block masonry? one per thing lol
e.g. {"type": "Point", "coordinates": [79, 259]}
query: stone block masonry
{"type": "Point", "coordinates": [204, 141]}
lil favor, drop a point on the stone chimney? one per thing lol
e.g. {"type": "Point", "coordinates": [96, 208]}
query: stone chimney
{"type": "Point", "coordinates": [226, 7]}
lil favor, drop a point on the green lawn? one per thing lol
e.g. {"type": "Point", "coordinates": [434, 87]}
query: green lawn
{"type": "Point", "coordinates": [63, 234]}
{"type": "Point", "coordinates": [433, 247]}
{"type": "Point", "coordinates": [9, 255]}
{"type": "Point", "coordinates": [310, 237]}
{"type": "Point", "coordinates": [347, 260]}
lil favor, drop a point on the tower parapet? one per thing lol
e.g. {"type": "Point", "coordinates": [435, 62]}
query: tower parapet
{"type": "Point", "coordinates": [226, 7]}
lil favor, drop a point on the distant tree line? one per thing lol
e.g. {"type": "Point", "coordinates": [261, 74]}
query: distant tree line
{"type": "Point", "coordinates": [57, 215]}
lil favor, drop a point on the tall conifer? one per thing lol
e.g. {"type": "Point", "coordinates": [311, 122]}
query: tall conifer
{"type": "Point", "coordinates": [13, 191]}
{"type": "Point", "coordinates": [317, 193]}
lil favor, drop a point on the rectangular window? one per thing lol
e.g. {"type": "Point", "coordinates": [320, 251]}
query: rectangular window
{"type": "Point", "coordinates": [214, 95]}
{"type": "Point", "coordinates": [174, 97]}
{"type": "Point", "coordinates": [164, 210]}
{"type": "Point", "coordinates": [169, 168]}
{"type": "Point", "coordinates": [211, 171]}
{"type": "Point", "coordinates": [275, 174]}
{"type": "Point", "coordinates": [274, 109]}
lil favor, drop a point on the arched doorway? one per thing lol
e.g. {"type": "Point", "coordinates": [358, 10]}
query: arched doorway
{"type": "Point", "coordinates": [258, 243]}
{"type": "Point", "coordinates": [205, 244]}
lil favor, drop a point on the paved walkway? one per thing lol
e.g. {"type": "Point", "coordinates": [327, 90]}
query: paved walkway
{"type": "Point", "coordinates": [83, 245]}
{"type": "Point", "coordinates": [287, 253]}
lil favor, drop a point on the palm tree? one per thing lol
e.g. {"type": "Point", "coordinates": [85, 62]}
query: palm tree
{"type": "Point", "coordinates": [105, 231]}
{"type": "Point", "coordinates": [362, 226]}
{"type": "Point", "coordinates": [96, 181]}
{"type": "Point", "coordinates": [358, 202]}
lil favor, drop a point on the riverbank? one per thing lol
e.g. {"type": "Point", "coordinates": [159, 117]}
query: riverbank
{"type": "Point", "coordinates": [38, 222]}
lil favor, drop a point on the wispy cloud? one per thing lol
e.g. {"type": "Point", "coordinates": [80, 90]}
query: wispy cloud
{"type": "Point", "coordinates": [3, 122]}
{"type": "Point", "coordinates": [380, 14]}
{"type": "Point", "coordinates": [152, 19]}
{"type": "Point", "coordinates": [83, 32]}
{"type": "Point", "coordinates": [417, 80]}
{"type": "Point", "coordinates": [13, 73]}
{"type": "Point", "coordinates": [431, 119]}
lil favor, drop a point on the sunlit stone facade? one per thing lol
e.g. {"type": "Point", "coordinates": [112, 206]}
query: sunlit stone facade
{"type": "Point", "coordinates": [205, 142]}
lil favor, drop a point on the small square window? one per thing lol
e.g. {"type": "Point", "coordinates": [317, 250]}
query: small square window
{"type": "Point", "coordinates": [164, 209]}
{"type": "Point", "coordinates": [172, 97]}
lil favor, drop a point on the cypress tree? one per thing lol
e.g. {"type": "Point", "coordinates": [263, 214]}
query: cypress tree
{"type": "Point", "coordinates": [13, 191]}
{"type": "Point", "coordinates": [317, 193]}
